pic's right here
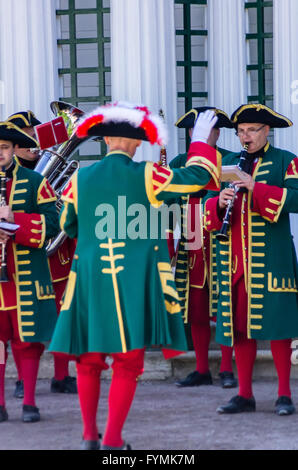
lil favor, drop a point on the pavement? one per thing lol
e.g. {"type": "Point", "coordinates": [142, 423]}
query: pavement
{"type": "Point", "coordinates": [162, 417]}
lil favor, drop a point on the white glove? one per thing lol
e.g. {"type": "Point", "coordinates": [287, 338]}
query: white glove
{"type": "Point", "coordinates": [203, 126]}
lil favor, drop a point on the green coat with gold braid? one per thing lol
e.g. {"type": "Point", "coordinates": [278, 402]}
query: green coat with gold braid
{"type": "Point", "coordinates": [260, 242]}
{"type": "Point", "coordinates": [121, 292]}
{"type": "Point", "coordinates": [29, 289]}
{"type": "Point", "coordinates": [182, 259]}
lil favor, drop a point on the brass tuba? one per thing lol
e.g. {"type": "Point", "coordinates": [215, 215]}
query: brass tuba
{"type": "Point", "coordinates": [56, 164]}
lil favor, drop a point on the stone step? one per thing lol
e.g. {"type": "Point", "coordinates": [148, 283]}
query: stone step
{"type": "Point", "coordinates": [156, 368]}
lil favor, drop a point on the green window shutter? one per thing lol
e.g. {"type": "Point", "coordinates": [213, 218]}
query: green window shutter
{"type": "Point", "coordinates": [85, 56]}
{"type": "Point", "coordinates": [190, 69]}
{"type": "Point", "coordinates": [260, 47]}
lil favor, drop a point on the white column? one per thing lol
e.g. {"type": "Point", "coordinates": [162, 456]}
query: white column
{"type": "Point", "coordinates": [28, 56]}
{"type": "Point", "coordinates": [143, 62]}
{"type": "Point", "coordinates": [227, 79]}
{"type": "Point", "coordinates": [285, 62]}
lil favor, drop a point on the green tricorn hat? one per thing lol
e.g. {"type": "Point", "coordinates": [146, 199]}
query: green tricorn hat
{"type": "Point", "coordinates": [187, 121]}
{"type": "Point", "coordinates": [259, 113]}
{"type": "Point", "coordinates": [24, 119]}
{"type": "Point", "coordinates": [12, 133]}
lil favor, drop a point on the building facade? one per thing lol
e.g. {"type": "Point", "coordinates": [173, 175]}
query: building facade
{"type": "Point", "coordinates": [169, 54]}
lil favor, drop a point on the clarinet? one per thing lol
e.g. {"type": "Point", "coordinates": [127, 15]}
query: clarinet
{"type": "Point", "coordinates": [223, 233]}
{"type": "Point", "coordinates": [3, 269]}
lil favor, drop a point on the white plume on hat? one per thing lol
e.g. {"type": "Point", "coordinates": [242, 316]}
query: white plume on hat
{"type": "Point", "coordinates": [137, 116]}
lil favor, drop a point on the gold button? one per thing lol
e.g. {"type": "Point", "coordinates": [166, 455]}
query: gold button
{"type": "Point", "coordinates": [173, 303]}
{"type": "Point", "coordinates": [156, 248]}
{"type": "Point", "coordinates": [76, 257]}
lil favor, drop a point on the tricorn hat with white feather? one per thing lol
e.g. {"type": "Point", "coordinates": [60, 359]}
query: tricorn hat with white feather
{"type": "Point", "coordinates": [120, 119]}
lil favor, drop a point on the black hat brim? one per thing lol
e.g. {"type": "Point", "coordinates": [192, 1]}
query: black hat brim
{"type": "Point", "coordinates": [16, 136]}
{"type": "Point", "coordinates": [187, 121]}
{"type": "Point", "coordinates": [23, 119]}
{"type": "Point", "coordinates": [113, 129]}
{"type": "Point", "coordinates": [260, 114]}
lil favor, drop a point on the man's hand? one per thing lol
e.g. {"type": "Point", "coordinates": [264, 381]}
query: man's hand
{"type": "Point", "coordinates": [225, 196]}
{"type": "Point", "coordinates": [248, 182]}
{"type": "Point", "coordinates": [203, 126]}
{"type": "Point", "coordinates": [7, 214]}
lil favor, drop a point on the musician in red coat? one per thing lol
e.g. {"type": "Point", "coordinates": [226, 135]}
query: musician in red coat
{"type": "Point", "coordinates": [196, 269]}
{"type": "Point", "coordinates": [59, 264]}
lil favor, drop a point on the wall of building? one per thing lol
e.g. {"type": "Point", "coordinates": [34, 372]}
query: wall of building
{"type": "Point", "coordinates": [144, 54]}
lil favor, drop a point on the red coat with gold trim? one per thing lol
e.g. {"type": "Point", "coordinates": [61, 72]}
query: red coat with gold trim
{"type": "Point", "coordinates": [60, 262]}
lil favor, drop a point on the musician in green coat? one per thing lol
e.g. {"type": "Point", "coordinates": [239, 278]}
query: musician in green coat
{"type": "Point", "coordinates": [121, 295]}
{"type": "Point", "coordinates": [257, 263]}
{"type": "Point", "coordinates": [27, 300]}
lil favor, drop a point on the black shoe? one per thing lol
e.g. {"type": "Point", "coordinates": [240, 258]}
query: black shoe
{"type": "Point", "coordinates": [19, 390]}
{"type": "Point", "coordinates": [67, 385]}
{"type": "Point", "coordinates": [3, 414]}
{"type": "Point", "coordinates": [125, 446]}
{"type": "Point", "coordinates": [91, 445]}
{"type": "Point", "coordinates": [30, 414]}
{"type": "Point", "coordinates": [284, 406]}
{"type": "Point", "coordinates": [238, 404]}
{"type": "Point", "coordinates": [195, 378]}
{"type": "Point", "coordinates": [227, 380]}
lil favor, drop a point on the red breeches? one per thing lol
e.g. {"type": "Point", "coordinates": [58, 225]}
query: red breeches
{"type": "Point", "coordinates": [198, 308]}
{"type": "Point", "coordinates": [130, 364]}
{"type": "Point", "coordinates": [27, 356]}
{"type": "Point", "coordinates": [9, 330]}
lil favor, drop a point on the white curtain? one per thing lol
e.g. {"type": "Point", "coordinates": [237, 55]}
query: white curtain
{"type": "Point", "coordinates": [227, 82]}
{"type": "Point", "coordinates": [285, 47]}
{"type": "Point", "coordinates": [28, 57]}
{"type": "Point", "coordinates": [143, 62]}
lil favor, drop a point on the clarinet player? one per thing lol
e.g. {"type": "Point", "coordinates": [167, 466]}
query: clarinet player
{"type": "Point", "coordinates": [257, 278]}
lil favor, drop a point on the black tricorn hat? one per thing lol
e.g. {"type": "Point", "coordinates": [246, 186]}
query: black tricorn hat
{"type": "Point", "coordinates": [12, 133]}
{"type": "Point", "coordinates": [259, 113]}
{"type": "Point", "coordinates": [24, 119]}
{"type": "Point", "coordinates": [187, 121]}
